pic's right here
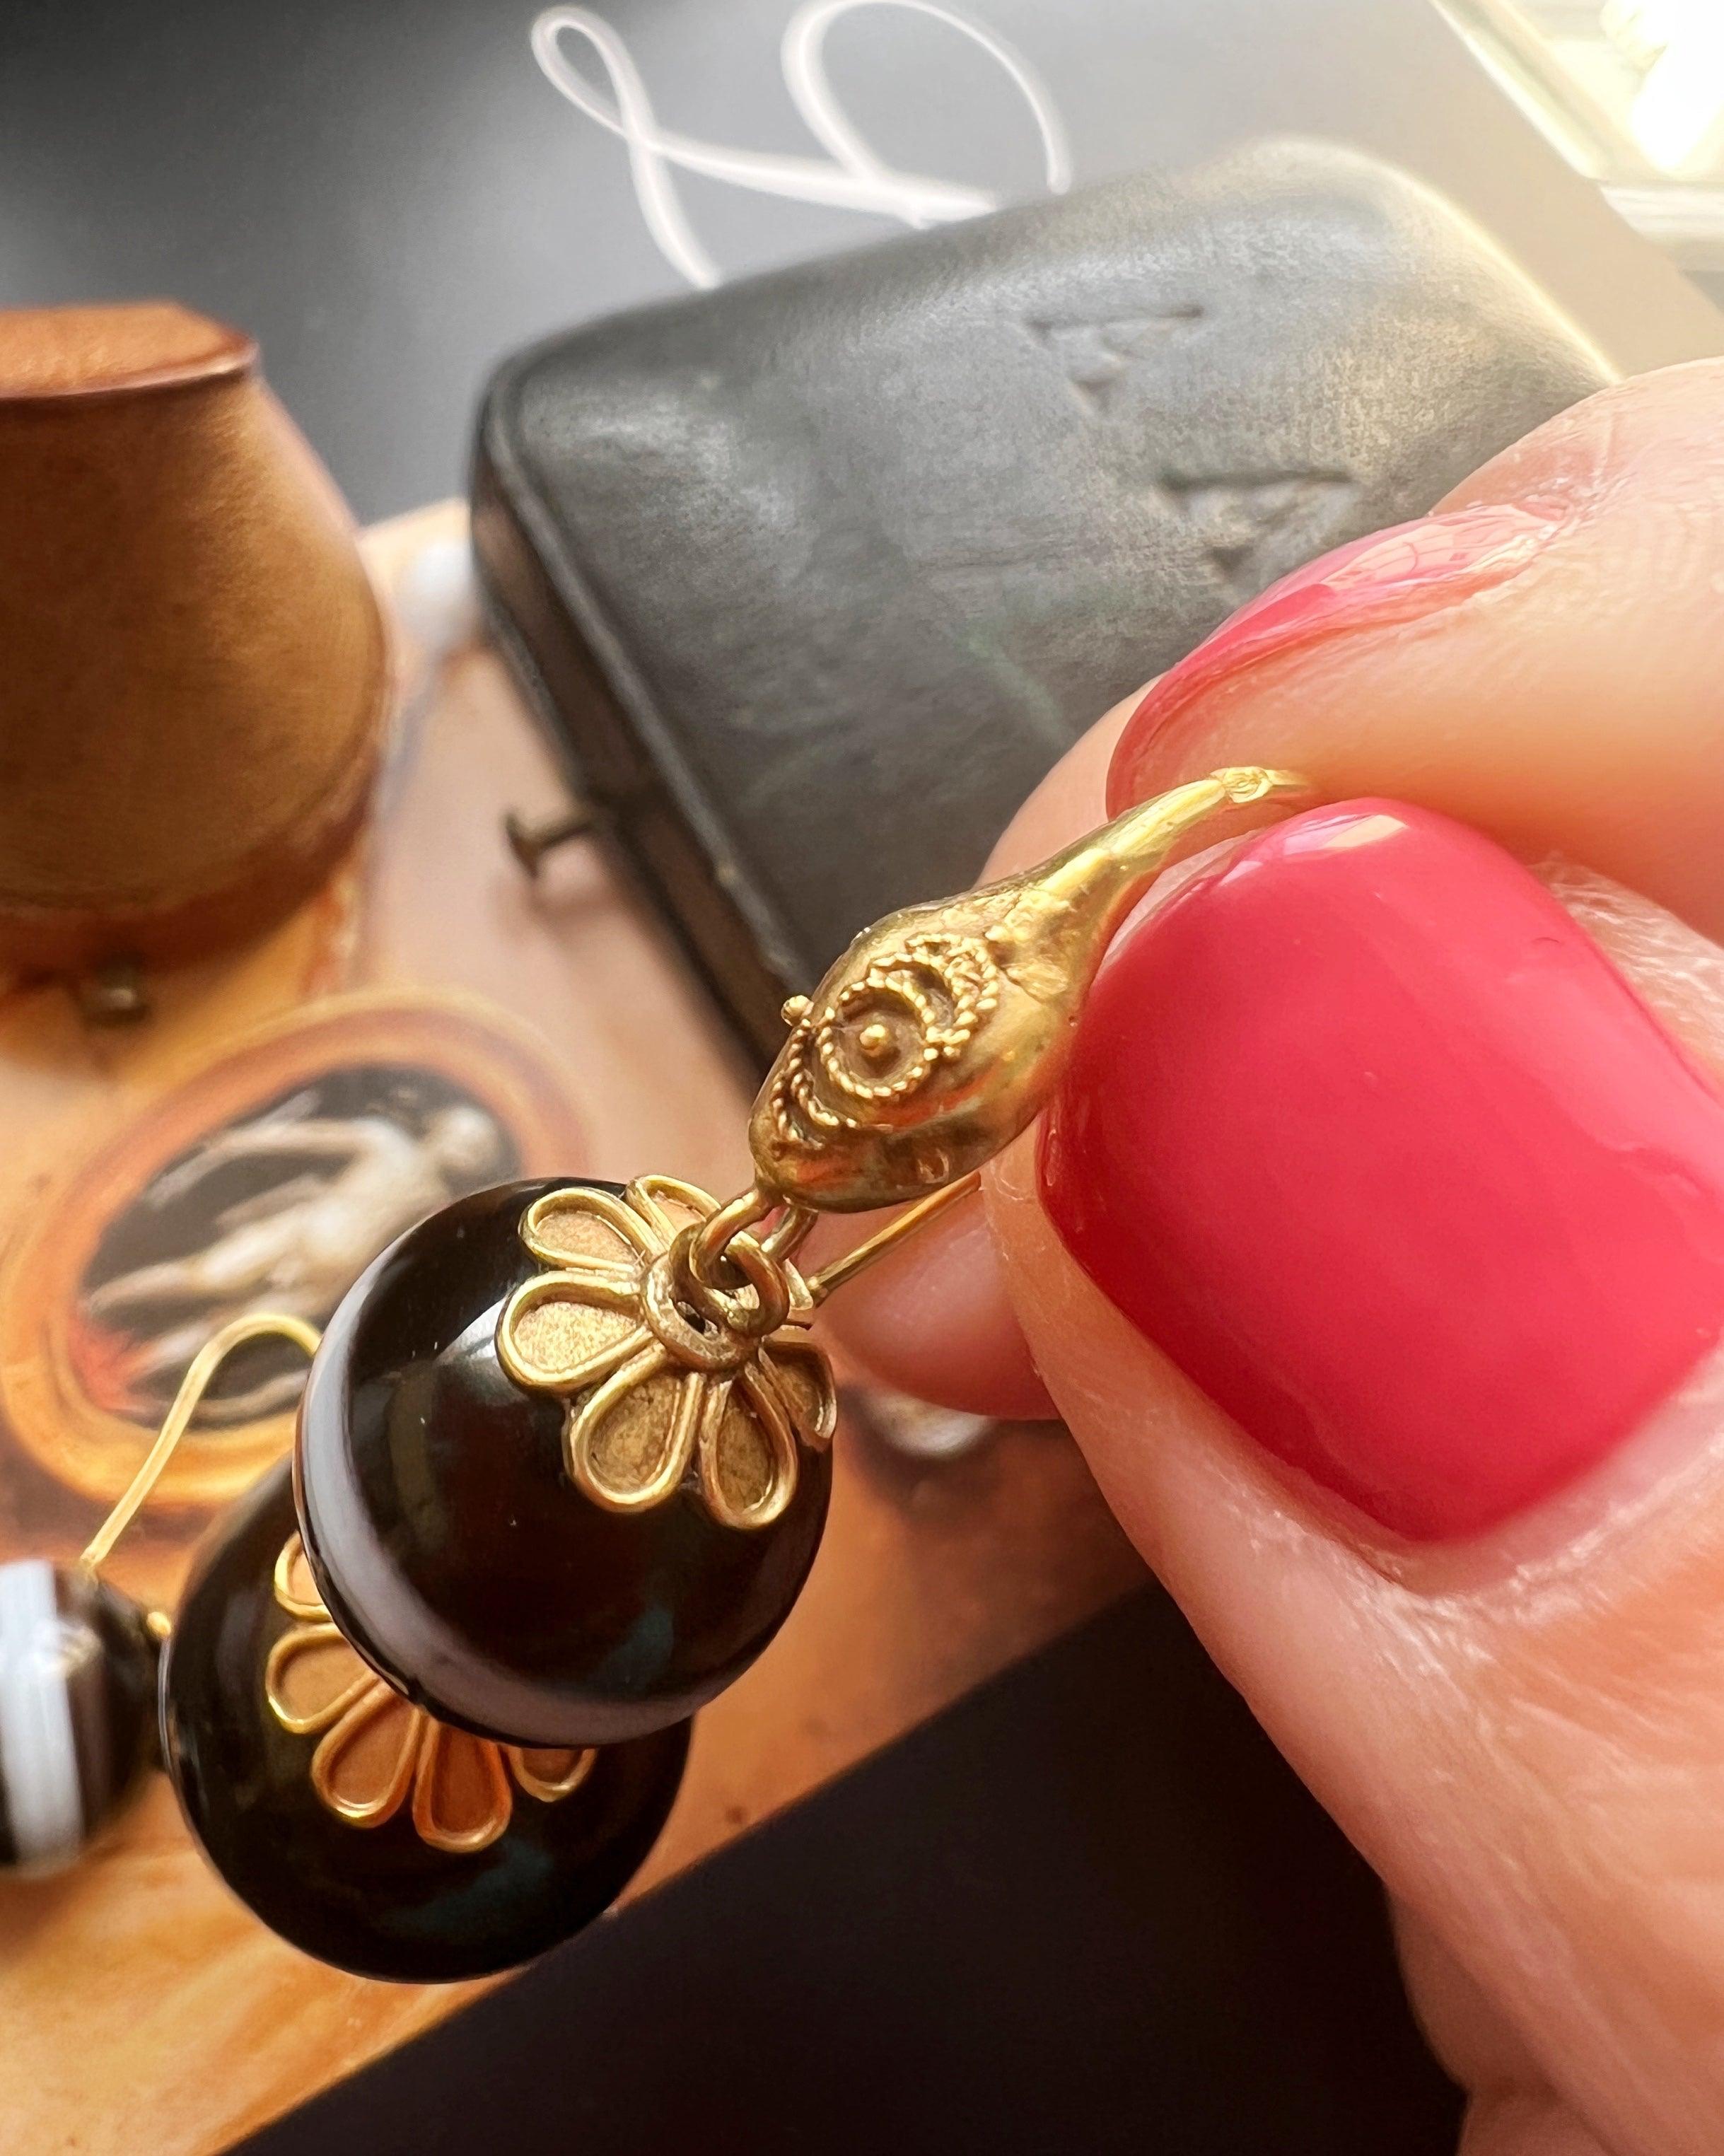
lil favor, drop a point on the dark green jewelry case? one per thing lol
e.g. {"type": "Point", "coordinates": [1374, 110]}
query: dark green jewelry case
{"type": "Point", "coordinates": [813, 578]}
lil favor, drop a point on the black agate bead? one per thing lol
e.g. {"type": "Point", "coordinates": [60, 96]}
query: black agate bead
{"type": "Point", "coordinates": [350, 1822]}
{"type": "Point", "coordinates": [77, 1690]}
{"type": "Point", "coordinates": [452, 1545]}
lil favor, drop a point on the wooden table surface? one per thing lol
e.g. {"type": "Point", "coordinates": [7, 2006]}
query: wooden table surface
{"type": "Point", "coordinates": [142, 2011]}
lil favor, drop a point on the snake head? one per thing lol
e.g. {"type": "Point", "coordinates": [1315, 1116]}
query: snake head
{"type": "Point", "coordinates": [881, 1090]}
{"type": "Point", "coordinates": [942, 1031]}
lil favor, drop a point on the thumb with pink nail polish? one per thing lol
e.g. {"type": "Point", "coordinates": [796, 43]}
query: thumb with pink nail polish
{"type": "Point", "coordinates": [1374, 1248]}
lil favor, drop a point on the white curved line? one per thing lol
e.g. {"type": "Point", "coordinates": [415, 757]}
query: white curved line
{"type": "Point", "coordinates": [803, 179]}
{"type": "Point", "coordinates": [853, 178]}
{"type": "Point", "coordinates": [632, 119]}
{"type": "Point", "coordinates": [803, 56]}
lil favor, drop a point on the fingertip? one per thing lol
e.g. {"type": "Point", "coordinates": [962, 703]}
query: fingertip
{"type": "Point", "coordinates": [934, 1320]}
{"type": "Point", "coordinates": [1538, 657]}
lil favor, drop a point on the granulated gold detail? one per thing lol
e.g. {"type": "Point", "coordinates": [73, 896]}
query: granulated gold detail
{"type": "Point", "coordinates": [378, 1752]}
{"type": "Point", "coordinates": [941, 1033]}
{"type": "Point", "coordinates": [886, 1031]}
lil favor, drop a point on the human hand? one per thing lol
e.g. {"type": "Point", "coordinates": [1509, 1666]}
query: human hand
{"type": "Point", "coordinates": [1377, 1153]}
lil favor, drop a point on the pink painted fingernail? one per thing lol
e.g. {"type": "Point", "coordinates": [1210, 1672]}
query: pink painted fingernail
{"type": "Point", "coordinates": [1390, 576]}
{"type": "Point", "coordinates": [1369, 1135]}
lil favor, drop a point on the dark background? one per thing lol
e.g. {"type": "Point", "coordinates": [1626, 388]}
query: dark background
{"type": "Point", "coordinates": [391, 195]}
{"type": "Point", "coordinates": [1087, 1909]}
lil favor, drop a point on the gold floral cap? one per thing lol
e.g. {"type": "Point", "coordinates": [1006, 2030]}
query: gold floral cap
{"type": "Point", "coordinates": [377, 1751]}
{"type": "Point", "coordinates": [651, 1391]}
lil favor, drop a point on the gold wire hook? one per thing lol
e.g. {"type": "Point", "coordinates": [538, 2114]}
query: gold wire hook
{"type": "Point", "coordinates": [209, 1359]}
{"type": "Point", "coordinates": [900, 1226]}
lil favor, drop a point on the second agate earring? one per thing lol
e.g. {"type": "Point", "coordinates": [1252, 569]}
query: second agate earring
{"type": "Point", "coordinates": [365, 1831]}
{"type": "Point", "coordinates": [354, 1823]}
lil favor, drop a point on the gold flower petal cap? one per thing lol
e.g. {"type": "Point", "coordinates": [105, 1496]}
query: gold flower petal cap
{"type": "Point", "coordinates": [377, 1752]}
{"type": "Point", "coordinates": [654, 1392]}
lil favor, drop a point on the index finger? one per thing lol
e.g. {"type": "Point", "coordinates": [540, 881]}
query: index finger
{"type": "Point", "coordinates": [1539, 658]}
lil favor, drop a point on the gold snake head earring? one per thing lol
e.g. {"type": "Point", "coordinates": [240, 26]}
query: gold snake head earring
{"type": "Point", "coordinates": [941, 1031]}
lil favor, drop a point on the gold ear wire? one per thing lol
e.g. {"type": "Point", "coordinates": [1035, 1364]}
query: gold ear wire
{"type": "Point", "coordinates": [861, 1255]}
{"type": "Point", "coordinates": [209, 1359]}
